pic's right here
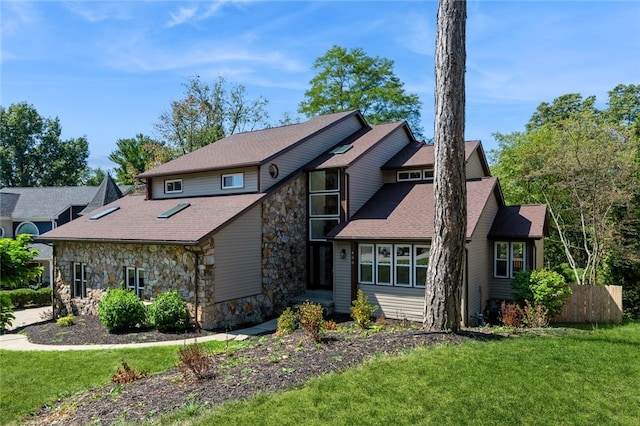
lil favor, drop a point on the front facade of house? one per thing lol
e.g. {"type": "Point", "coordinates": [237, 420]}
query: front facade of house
{"type": "Point", "coordinates": [241, 226]}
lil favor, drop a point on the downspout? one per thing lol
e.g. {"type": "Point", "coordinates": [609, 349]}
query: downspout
{"type": "Point", "coordinates": [196, 280]}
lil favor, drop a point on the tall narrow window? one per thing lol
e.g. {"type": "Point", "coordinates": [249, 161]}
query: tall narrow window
{"type": "Point", "coordinates": [517, 258]}
{"type": "Point", "coordinates": [365, 260]}
{"type": "Point", "coordinates": [134, 278]}
{"type": "Point", "coordinates": [79, 280]}
{"type": "Point", "coordinates": [421, 255]}
{"type": "Point", "coordinates": [384, 262]}
{"type": "Point", "coordinates": [501, 260]}
{"type": "Point", "coordinates": [403, 265]}
{"type": "Point", "coordinates": [324, 203]}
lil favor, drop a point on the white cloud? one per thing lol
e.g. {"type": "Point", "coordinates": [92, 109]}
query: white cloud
{"type": "Point", "coordinates": [100, 11]}
{"type": "Point", "coordinates": [183, 15]}
{"type": "Point", "coordinates": [17, 15]}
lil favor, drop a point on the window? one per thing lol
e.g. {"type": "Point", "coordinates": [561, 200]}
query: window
{"type": "Point", "coordinates": [1, 232]}
{"type": "Point", "coordinates": [409, 175]}
{"type": "Point", "coordinates": [427, 174]}
{"type": "Point", "coordinates": [509, 259]}
{"type": "Point", "coordinates": [324, 203]}
{"type": "Point", "coordinates": [80, 280]}
{"type": "Point", "coordinates": [324, 181]}
{"type": "Point", "coordinates": [27, 228]}
{"type": "Point", "coordinates": [235, 180]}
{"type": "Point", "coordinates": [320, 227]}
{"type": "Point", "coordinates": [172, 186]}
{"type": "Point", "coordinates": [134, 277]}
{"type": "Point", "coordinates": [402, 265]}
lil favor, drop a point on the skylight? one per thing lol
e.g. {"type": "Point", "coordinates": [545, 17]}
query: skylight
{"type": "Point", "coordinates": [171, 212]}
{"type": "Point", "coordinates": [104, 213]}
{"type": "Point", "coordinates": [342, 149]}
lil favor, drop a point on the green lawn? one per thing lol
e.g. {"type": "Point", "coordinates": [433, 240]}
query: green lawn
{"type": "Point", "coordinates": [574, 378]}
{"type": "Point", "coordinates": [29, 380]}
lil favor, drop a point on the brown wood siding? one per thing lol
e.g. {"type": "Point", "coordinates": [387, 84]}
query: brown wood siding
{"type": "Point", "coordinates": [238, 258]}
{"type": "Point", "coordinates": [365, 176]}
{"type": "Point", "coordinates": [206, 184]}
{"type": "Point", "coordinates": [295, 158]}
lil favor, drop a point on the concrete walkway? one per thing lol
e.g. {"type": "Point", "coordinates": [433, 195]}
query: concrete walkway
{"type": "Point", "coordinates": [19, 342]}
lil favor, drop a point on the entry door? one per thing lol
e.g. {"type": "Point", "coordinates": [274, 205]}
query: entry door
{"type": "Point", "coordinates": [321, 266]}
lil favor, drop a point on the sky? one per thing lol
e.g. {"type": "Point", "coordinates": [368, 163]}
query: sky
{"type": "Point", "coordinates": [108, 69]}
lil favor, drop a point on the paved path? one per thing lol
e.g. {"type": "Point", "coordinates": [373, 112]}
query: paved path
{"type": "Point", "coordinates": [19, 342]}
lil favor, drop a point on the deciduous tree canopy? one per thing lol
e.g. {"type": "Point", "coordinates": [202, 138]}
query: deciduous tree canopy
{"type": "Point", "coordinates": [16, 262]}
{"type": "Point", "coordinates": [136, 155]}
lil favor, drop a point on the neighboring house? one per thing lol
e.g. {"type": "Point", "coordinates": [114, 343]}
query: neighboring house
{"type": "Point", "coordinates": [36, 210]}
{"type": "Point", "coordinates": [243, 225]}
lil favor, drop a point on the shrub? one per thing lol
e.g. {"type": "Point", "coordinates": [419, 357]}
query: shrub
{"type": "Point", "coordinates": [511, 315]}
{"type": "Point", "coordinates": [195, 358]}
{"type": "Point", "coordinates": [168, 312]}
{"type": "Point", "coordinates": [127, 374]}
{"type": "Point", "coordinates": [66, 321]}
{"type": "Point", "coordinates": [22, 297]}
{"type": "Point", "coordinates": [311, 320]}
{"type": "Point", "coordinates": [535, 316]}
{"type": "Point", "coordinates": [362, 310]}
{"type": "Point", "coordinates": [287, 322]}
{"type": "Point", "coordinates": [6, 313]}
{"type": "Point", "coordinates": [42, 297]}
{"type": "Point", "coordinates": [542, 287]}
{"type": "Point", "coordinates": [120, 310]}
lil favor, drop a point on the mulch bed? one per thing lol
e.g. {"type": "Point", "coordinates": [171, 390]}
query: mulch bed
{"type": "Point", "coordinates": [270, 363]}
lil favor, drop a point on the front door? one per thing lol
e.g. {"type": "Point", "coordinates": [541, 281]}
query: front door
{"type": "Point", "coordinates": [321, 266]}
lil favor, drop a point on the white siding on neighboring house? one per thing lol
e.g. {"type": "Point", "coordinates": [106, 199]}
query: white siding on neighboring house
{"type": "Point", "coordinates": [474, 167]}
{"type": "Point", "coordinates": [342, 276]}
{"type": "Point", "coordinates": [480, 260]}
{"type": "Point", "coordinates": [298, 156]}
{"type": "Point", "coordinates": [365, 177]}
{"type": "Point", "coordinates": [238, 257]}
{"type": "Point", "coordinates": [205, 184]}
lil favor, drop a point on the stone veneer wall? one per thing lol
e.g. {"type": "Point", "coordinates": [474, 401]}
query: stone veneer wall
{"type": "Point", "coordinates": [284, 243]}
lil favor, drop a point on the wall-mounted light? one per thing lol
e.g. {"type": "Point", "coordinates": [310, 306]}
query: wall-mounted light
{"type": "Point", "coordinates": [343, 254]}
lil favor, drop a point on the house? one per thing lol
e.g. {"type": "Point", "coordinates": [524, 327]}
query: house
{"type": "Point", "coordinates": [243, 225]}
{"type": "Point", "coordinates": [36, 210]}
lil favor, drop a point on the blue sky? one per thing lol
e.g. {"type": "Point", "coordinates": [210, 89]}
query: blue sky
{"type": "Point", "coordinates": [109, 69]}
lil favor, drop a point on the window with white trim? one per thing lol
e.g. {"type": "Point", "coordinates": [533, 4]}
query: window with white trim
{"type": "Point", "coordinates": [27, 228]}
{"type": "Point", "coordinates": [79, 280]}
{"type": "Point", "coordinates": [134, 279]}
{"type": "Point", "coordinates": [172, 186]}
{"type": "Point", "coordinates": [409, 175]}
{"type": "Point", "coordinates": [509, 258]}
{"type": "Point", "coordinates": [324, 203]}
{"type": "Point", "coordinates": [401, 265]}
{"type": "Point", "coordinates": [233, 181]}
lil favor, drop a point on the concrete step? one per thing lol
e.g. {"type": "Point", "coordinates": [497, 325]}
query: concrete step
{"type": "Point", "coordinates": [322, 297]}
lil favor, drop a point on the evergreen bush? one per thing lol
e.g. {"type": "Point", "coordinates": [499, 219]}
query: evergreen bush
{"type": "Point", "coordinates": [287, 322]}
{"type": "Point", "coordinates": [120, 310]}
{"type": "Point", "coordinates": [168, 312]}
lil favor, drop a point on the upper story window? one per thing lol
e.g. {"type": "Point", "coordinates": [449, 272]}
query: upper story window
{"type": "Point", "coordinates": [324, 203]}
{"type": "Point", "coordinates": [427, 174]}
{"type": "Point", "coordinates": [27, 228]}
{"type": "Point", "coordinates": [172, 186]}
{"type": "Point", "coordinates": [509, 259]}
{"type": "Point", "coordinates": [414, 175]}
{"type": "Point", "coordinates": [234, 180]}
{"type": "Point", "coordinates": [324, 181]}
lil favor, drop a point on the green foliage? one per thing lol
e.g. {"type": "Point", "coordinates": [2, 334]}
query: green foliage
{"type": "Point", "coordinates": [362, 310]}
{"type": "Point", "coordinates": [168, 312]}
{"type": "Point", "coordinates": [32, 153]}
{"type": "Point", "coordinates": [66, 321]}
{"type": "Point", "coordinates": [22, 297]}
{"type": "Point", "coordinates": [6, 313]}
{"type": "Point", "coordinates": [209, 113]}
{"type": "Point", "coordinates": [287, 322]}
{"type": "Point", "coordinates": [136, 155]}
{"type": "Point", "coordinates": [544, 287]}
{"type": "Point", "coordinates": [16, 259]}
{"type": "Point", "coordinates": [349, 80]}
{"type": "Point", "coordinates": [120, 310]}
{"type": "Point", "coordinates": [312, 320]}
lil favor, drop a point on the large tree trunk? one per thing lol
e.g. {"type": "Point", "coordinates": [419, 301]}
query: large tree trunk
{"type": "Point", "coordinates": [446, 258]}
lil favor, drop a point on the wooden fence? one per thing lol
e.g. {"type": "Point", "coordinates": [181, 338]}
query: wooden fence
{"type": "Point", "coordinates": [593, 304]}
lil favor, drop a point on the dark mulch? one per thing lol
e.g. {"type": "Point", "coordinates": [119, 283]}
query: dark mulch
{"type": "Point", "coordinates": [268, 364]}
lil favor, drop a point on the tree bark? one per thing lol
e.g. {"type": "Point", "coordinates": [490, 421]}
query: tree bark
{"type": "Point", "coordinates": [446, 258]}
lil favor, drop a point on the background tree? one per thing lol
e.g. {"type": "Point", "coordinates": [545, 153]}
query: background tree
{"type": "Point", "coordinates": [136, 155]}
{"type": "Point", "coordinates": [209, 113]}
{"type": "Point", "coordinates": [95, 177]}
{"type": "Point", "coordinates": [32, 153]}
{"type": "Point", "coordinates": [583, 163]}
{"type": "Point", "coordinates": [349, 79]}
{"type": "Point", "coordinates": [445, 270]}
{"type": "Point", "coordinates": [16, 262]}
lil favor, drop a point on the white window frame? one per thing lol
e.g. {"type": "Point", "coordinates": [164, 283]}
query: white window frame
{"type": "Point", "coordinates": [416, 283]}
{"type": "Point", "coordinates": [427, 174]}
{"type": "Point", "coordinates": [324, 194]}
{"type": "Point", "coordinates": [408, 266]}
{"type": "Point", "coordinates": [370, 264]}
{"type": "Point", "coordinates": [510, 258]}
{"type": "Point", "coordinates": [172, 183]}
{"type": "Point", "coordinates": [320, 219]}
{"type": "Point", "coordinates": [375, 264]}
{"type": "Point", "coordinates": [237, 180]}
{"type": "Point", "coordinates": [408, 173]}
{"type": "Point", "coordinates": [387, 264]}
{"type": "Point", "coordinates": [135, 273]}
{"type": "Point", "coordinates": [25, 224]}
{"type": "Point", "coordinates": [79, 282]}
{"type": "Point", "coordinates": [320, 191]}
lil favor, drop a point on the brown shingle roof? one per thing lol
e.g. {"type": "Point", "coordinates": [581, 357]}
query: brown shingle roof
{"type": "Point", "coordinates": [421, 155]}
{"type": "Point", "coordinates": [404, 211]}
{"type": "Point", "coordinates": [361, 142]}
{"type": "Point", "coordinates": [528, 221]}
{"type": "Point", "coordinates": [245, 149]}
{"type": "Point", "coordinates": [136, 220]}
